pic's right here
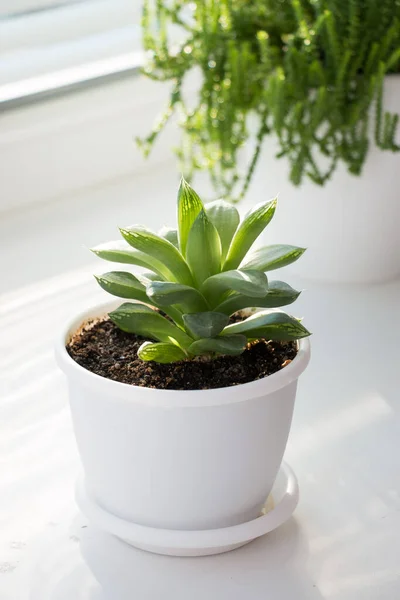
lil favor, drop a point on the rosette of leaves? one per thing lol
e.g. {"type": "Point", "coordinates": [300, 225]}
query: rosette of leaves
{"type": "Point", "coordinates": [308, 71]}
{"type": "Point", "coordinates": [198, 276]}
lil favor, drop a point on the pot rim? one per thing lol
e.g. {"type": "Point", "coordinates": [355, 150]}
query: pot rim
{"type": "Point", "coordinates": [171, 398]}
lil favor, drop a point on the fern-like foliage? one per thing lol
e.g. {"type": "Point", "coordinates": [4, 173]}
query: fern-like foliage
{"type": "Point", "coordinates": [308, 69]}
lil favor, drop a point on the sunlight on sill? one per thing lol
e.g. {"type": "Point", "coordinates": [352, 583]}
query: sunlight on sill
{"type": "Point", "coordinates": [346, 422]}
{"type": "Point", "coordinates": [42, 290]}
{"type": "Point", "coordinates": [357, 583]}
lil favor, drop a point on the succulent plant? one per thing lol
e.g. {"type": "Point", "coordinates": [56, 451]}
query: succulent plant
{"type": "Point", "coordinates": [198, 276]}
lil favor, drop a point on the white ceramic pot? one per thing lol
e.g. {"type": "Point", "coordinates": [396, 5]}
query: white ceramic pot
{"type": "Point", "coordinates": [180, 459]}
{"type": "Point", "coordinates": [351, 225]}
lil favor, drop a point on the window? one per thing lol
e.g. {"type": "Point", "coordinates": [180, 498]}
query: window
{"type": "Point", "coordinates": [15, 7]}
{"type": "Point", "coordinates": [50, 45]}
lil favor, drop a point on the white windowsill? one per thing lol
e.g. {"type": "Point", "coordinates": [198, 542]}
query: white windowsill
{"type": "Point", "coordinates": [57, 148]}
{"type": "Point", "coordinates": [342, 543]}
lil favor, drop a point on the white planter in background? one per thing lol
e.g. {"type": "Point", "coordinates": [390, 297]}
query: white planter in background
{"type": "Point", "coordinates": [180, 459]}
{"type": "Point", "coordinates": [351, 226]}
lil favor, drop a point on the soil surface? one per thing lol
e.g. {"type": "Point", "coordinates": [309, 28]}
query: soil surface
{"type": "Point", "coordinates": [105, 350]}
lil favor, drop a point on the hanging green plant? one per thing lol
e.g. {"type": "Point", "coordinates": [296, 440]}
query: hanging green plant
{"type": "Point", "coordinates": [309, 70]}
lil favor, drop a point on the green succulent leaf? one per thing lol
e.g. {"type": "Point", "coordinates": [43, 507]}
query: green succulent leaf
{"type": "Point", "coordinates": [205, 324]}
{"type": "Point", "coordinates": [279, 294]}
{"type": "Point", "coordinates": [225, 218]}
{"type": "Point", "coordinates": [203, 250]}
{"type": "Point", "coordinates": [161, 352]}
{"type": "Point", "coordinates": [165, 293]}
{"type": "Point", "coordinates": [123, 285]}
{"type": "Point", "coordinates": [248, 231]}
{"type": "Point", "coordinates": [250, 283]}
{"type": "Point", "coordinates": [273, 257]}
{"type": "Point", "coordinates": [182, 304]}
{"type": "Point", "coordinates": [189, 206]}
{"type": "Point", "coordinates": [142, 320]}
{"type": "Point", "coordinates": [170, 234]}
{"type": "Point", "coordinates": [120, 251]}
{"type": "Point", "coordinates": [160, 249]}
{"type": "Point", "coordinates": [277, 326]}
{"type": "Point", "coordinates": [171, 311]}
{"type": "Point", "coordinates": [227, 344]}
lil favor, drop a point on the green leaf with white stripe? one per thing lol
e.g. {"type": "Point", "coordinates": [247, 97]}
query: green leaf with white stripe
{"type": "Point", "coordinates": [205, 324]}
{"type": "Point", "coordinates": [123, 285]}
{"type": "Point", "coordinates": [248, 231]}
{"type": "Point", "coordinates": [143, 320]}
{"type": "Point", "coordinates": [160, 249]}
{"type": "Point", "coordinates": [225, 218]}
{"type": "Point", "coordinates": [273, 257]}
{"type": "Point", "coordinates": [277, 326]}
{"type": "Point", "coordinates": [231, 345]}
{"type": "Point", "coordinates": [161, 352]}
{"type": "Point", "coordinates": [203, 251]}
{"type": "Point", "coordinates": [165, 293]}
{"type": "Point", "coordinates": [120, 251]}
{"type": "Point", "coordinates": [279, 294]}
{"type": "Point", "coordinates": [250, 283]}
{"type": "Point", "coordinates": [189, 206]}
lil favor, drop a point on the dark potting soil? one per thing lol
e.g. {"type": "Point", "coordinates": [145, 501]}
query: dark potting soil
{"type": "Point", "coordinates": [104, 349]}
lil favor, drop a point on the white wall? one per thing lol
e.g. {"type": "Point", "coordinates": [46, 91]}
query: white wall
{"type": "Point", "coordinates": [57, 148]}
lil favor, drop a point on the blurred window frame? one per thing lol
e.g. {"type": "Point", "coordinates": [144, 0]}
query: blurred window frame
{"type": "Point", "coordinates": [72, 100]}
{"type": "Point", "coordinates": [50, 47]}
{"type": "Point", "coordinates": [16, 7]}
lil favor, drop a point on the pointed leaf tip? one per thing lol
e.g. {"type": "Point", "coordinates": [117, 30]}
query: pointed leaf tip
{"type": "Point", "coordinates": [275, 256]}
{"type": "Point", "coordinates": [248, 231]}
{"type": "Point", "coordinates": [161, 352]}
{"type": "Point", "coordinates": [189, 206]}
{"type": "Point", "coordinates": [277, 326]}
{"type": "Point", "coordinates": [120, 251]}
{"type": "Point", "coordinates": [123, 285]}
{"type": "Point", "coordinates": [279, 294]}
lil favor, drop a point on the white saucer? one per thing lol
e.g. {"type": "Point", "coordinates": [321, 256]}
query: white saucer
{"type": "Point", "coordinates": [278, 508]}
